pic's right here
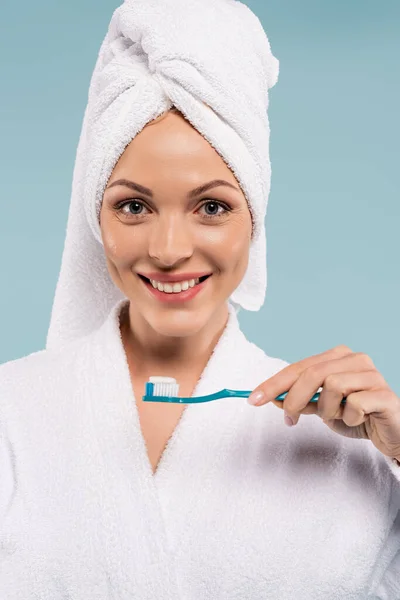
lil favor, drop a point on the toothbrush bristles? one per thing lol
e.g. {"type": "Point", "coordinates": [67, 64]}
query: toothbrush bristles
{"type": "Point", "coordinates": [164, 386]}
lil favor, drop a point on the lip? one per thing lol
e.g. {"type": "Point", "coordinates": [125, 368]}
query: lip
{"type": "Point", "coordinates": [175, 298]}
{"type": "Point", "coordinates": [175, 278]}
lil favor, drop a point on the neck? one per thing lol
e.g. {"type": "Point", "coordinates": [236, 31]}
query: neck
{"type": "Point", "coordinates": [150, 353]}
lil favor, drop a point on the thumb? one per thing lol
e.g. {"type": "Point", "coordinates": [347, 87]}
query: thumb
{"type": "Point", "coordinates": [340, 427]}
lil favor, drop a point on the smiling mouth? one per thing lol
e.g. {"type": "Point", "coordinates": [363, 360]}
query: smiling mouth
{"type": "Point", "coordinates": [174, 287]}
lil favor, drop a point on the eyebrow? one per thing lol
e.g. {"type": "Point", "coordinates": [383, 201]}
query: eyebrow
{"type": "Point", "coordinates": [195, 192]}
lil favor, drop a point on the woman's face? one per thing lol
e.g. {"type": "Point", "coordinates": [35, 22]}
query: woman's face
{"type": "Point", "coordinates": [156, 226]}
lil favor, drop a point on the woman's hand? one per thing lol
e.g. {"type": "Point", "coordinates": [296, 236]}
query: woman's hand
{"type": "Point", "coordinates": [371, 411]}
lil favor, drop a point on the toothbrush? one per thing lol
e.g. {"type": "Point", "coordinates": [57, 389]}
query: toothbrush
{"type": "Point", "coordinates": [166, 389]}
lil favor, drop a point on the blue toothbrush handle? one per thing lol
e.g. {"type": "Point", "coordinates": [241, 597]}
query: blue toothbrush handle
{"type": "Point", "coordinates": [216, 396]}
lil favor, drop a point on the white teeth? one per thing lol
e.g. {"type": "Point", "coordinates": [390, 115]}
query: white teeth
{"type": "Point", "coordinates": [174, 288]}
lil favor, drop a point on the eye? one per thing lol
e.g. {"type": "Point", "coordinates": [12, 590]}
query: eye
{"type": "Point", "coordinates": [136, 208]}
{"type": "Point", "coordinates": [213, 208]}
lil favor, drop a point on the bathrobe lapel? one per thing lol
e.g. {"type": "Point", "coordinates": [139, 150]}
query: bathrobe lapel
{"type": "Point", "coordinates": [133, 525]}
{"type": "Point", "coordinates": [199, 443]}
{"type": "Point", "coordinates": [140, 502]}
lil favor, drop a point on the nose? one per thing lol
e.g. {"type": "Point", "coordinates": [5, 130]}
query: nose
{"type": "Point", "coordinates": [170, 240]}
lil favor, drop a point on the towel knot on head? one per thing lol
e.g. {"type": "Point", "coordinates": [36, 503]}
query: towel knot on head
{"type": "Point", "coordinates": [212, 60]}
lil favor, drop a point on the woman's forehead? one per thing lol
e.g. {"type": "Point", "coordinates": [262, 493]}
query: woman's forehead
{"type": "Point", "coordinates": [174, 151]}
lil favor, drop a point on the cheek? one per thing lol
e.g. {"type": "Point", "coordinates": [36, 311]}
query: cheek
{"type": "Point", "coordinates": [228, 245]}
{"type": "Point", "coordinates": [122, 245]}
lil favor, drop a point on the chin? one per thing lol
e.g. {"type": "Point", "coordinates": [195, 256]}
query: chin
{"type": "Point", "coordinates": [178, 325]}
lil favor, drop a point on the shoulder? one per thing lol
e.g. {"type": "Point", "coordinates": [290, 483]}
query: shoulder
{"type": "Point", "coordinates": [261, 365]}
{"type": "Point", "coordinates": [273, 363]}
{"type": "Point", "coordinates": [25, 375]}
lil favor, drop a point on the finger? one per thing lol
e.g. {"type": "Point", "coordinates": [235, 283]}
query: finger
{"type": "Point", "coordinates": [359, 405]}
{"type": "Point", "coordinates": [311, 379]}
{"type": "Point", "coordinates": [284, 379]}
{"type": "Point", "coordinates": [339, 385]}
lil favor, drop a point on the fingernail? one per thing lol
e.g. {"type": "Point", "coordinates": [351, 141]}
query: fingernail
{"type": "Point", "coordinates": [288, 421]}
{"type": "Point", "coordinates": [256, 397]}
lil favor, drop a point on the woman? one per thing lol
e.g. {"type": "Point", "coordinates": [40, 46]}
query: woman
{"type": "Point", "coordinates": [106, 496]}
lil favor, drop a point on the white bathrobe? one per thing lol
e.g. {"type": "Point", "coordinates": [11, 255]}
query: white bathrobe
{"type": "Point", "coordinates": [240, 508]}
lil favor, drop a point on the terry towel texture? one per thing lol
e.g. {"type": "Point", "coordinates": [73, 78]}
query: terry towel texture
{"type": "Point", "coordinates": [212, 60]}
{"type": "Point", "coordinates": [240, 507]}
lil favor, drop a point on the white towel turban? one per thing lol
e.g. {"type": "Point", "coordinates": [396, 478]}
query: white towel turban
{"type": "Point", "coordinates": [212, 60]}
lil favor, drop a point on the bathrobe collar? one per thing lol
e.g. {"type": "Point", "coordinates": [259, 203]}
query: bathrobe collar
{"type": "Point", "coordinates": [225, 368]}
{"type": "Point", "coordinates": [123, 451]}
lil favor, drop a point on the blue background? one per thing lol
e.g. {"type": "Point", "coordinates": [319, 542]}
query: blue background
{"type": "Point", "coordinates": [333, 214]}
